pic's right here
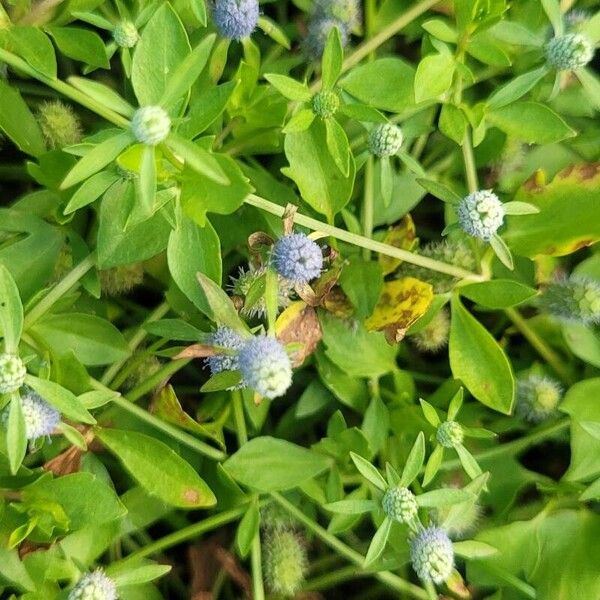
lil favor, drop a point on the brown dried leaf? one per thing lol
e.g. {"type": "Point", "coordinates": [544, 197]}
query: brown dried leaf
{"type": "Point", "coordinates": [288, 218]}
{"type": "Point", "coordinates": [298, 323]}
{"type": "Point", "coordinates": [259, 240]}
{"type": "Point", "coordinates": [69, 461]}
{"type": "Point", "coordinates": [197, 351]}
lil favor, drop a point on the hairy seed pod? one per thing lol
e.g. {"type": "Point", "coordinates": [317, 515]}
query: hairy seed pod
{"type": "Point", "coordinates": [59, 124]}
{"type": "Point", "coordinates": [41, 418]}
{"type": "Point", "coordinates": [12, 373]}
{"type": "Point", "coordinates": [575, 299]}
{"type": "Point", "coordinates": [285, 561]}
{"type": "Point", "coordinates": [150, 125]}
{"type": "Point", "coordinates": [538, 397]}
{"type": "Point", "coordinates": [434, 336]}
{"type": "Point", "coordinates": [120, 280]}
{"type": "Point", "coordinates": [297, 258]}
{"type": "Point", "coordinates": [432, 555]}
{"type": "Point", "coordinates": [480, 214]}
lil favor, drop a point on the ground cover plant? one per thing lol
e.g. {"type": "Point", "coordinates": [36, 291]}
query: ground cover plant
{"type": "Point", "coordinates": [299, 299]}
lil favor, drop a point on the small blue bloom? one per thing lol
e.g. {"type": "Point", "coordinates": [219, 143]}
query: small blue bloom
{"type": "Point", "coordinates": [94, 586]}
{"type": "Point", "coordinates": [265, 366]}
{"type": "Point", "coordinates": [225, 337]}
{"type": "Point", "coordinates": [480, 214]}
{"type": "Point", "coordinates": [432, 555]}
{"type": "Point", "coordinates": [236, 19]}
{"type": "Point", "coordinates": [297, 258]}
{"type": "Point", "coordinates": [41, 418]}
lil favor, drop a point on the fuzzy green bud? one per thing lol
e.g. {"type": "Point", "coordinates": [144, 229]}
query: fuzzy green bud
{"type": "Point", "coordinates": [284, 561]}
{"type": "Point", "coordinates": [125, 34]}
{"type": "Point", "coordinates": [121, 280]}
{"type": "Point", "coordinates": [434, 336]}
{"type": "Point", "coordinates": [59, 124]}
{"type": "Point", "coordinates": [12, 373]}
{"type": "Point", "coordinates": [325, 104]}
{"type": "Point", "coordinates": [575, 299]}
{"type": "Point", "coordinates": [449, 434]}
{"type": "Point", "coordinates": [385, 139]}
{"type": "Point", "coordinates": [400, 504]}
{"type": "Point", "coordinates": [151, 125]}
{"type": "Point", "coordinates": [569, 52]}
{"type": "Point", "coordinates": [537, 398]}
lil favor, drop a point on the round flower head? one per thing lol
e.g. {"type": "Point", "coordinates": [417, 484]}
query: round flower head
{"type": "Point", "coordinates": [318, 31]}
{"type": "Point", "coordinates": [385, 139]}
{"type": "Point", "coordinates": [59, 124]}
{"type": "Point", "coordinates": [575, 299]}
{"type": "Point", "coordinates": [150, 125]}
{"type": "Point", "coordinates": [94, 586]}
{"type": "Point", "coordinates": [325, 103]}
{"type": "Point", "coordinates": [569, 52]}
{"type": "Point", "coordinates": [432, 555]}
{"type": "Point", "coordinates": [125, 34]}
{"type": "Point", "coordinates": [400, 504]}
{"type": "Point", "coordinates": [41, 419]}
{"type": "Point", "coordinates": [537, 398]}
{"type": "Point", "coordinates": [345, 11]}
{"type": "Point", "coordinates": [241, 285]}
{"type": "Point", "coordinates": [225, 337]}
{"type": "Point", "coordinates": [265, 366]}
{"type": "Point", "coordinates": [236, 19]}
{"type": "Point", "coordinates": [434, 336]}
{"type": "Point", "coordinates": [12, 373]}
{"type": "Point", "coordinates": [297, 258]}
{"type": "Point", "coordinates": [480, 214]}
{"type": "Point", "coordinates": [449, 434]}
{"type": "Point", "coordinates": [285, 561]}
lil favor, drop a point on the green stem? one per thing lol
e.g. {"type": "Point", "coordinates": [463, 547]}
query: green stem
{"type": "Point", "coordinates": [134, 343]}
{"type": "Point", "coordinates": [363, 242]}
{"type": "Point", "coordinates": [469, 160]}
{"type": "Point", "coordinates": [58, 291]}
{"type": "Point", "coordinates": [155, 380]}
{"type": "Point", "coordinates": [541, 347]}
{"type": "Point", "coordinates": [390, 579]}
{"type": "Point", "coordinates": [240, 421]}
{"type": "Point", "coordinates": [187, 533]}
{"type": "Point", "coordinates": [430, 588]}
{"type": "Point", "coordinates": [329, 580]}
{"type": "Point", "coordinates": [514, 447]}
{"type": "Point", "coordinates": [257, 574]}
{"type": "Point", "coordinates": [368, 204]}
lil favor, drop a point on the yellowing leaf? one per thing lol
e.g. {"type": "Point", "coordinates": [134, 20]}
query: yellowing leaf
{"type": "Point", "coordinates": [401, 236]}
{"type": "Point", "coordinates": [298, 324]}
{"type": "Point", "coordinates": [401, 303]}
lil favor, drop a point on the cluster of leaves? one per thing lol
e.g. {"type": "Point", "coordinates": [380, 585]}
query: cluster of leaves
{"type": "Point", "coordinates": [334, 286]}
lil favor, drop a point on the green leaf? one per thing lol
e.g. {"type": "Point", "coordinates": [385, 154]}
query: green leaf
{"type": "Point", "coordinates": [520, 208]}
{"type": "Point", "coordinates": [163, 46]}
{"type": "Point", "coordinates": [160, 470]}
{"type": "Point", "coordinates": [468, 462]}
{"type": "Point", "coordinates": [351, 507]}
{"type": "Point", "coordinates": [385, 83]}
{"type": "Point", "coordinates": [97, 158]}
{"type": "Point", "coordinates": [221, 381]}
{"type": "Point", "coordinates": [430, 413]}
{"type": "Point", "coordinates": [337, 143]}
{"type": "Point", "coordinates": [80, 44]}
{"type": "Point", "coordinates": [414, 462]}
{"type": "Point", "coordinates": [362, 282]}
{"type": "Point", "coordinates": [552, 9]}
{"type": "Point", "coordinates": [187, 71]}
{"type": "Point", "coordinates": [456, 404]}
{"type": "Point", "coordinates": [472, 549]}
{"type": "Point", "coordinates": [90, 190]}
{"type": "Point", "coordinates": [94, 340]}
{"type": "Point", "coordinates": [219, 304]}
{"type": "Point", "coordinates": [434, 76]}
{"type": "Point", "coordinates": [439, 190]}
{"type": "Point", "coordinates": [198, 159]}
{"type": "Point", "coordinates": [269, 464]}
{"type": "Point", "coordinates": [33, 45]}
{"type": "Point", "coordinates": [516, 88]}
{"type": "Point", "coordinates": [103, 94]}
{"type": "Point", "coordinates": [61, 398]}
{"type": "Point", "coordinates": [288, 87]}
{"type": "Point", "coordinates": [18, 123]}
{"type": "Point", "coordinates": [433, 464]}
{"type": "Point", "coordinates": [479, 362]}
{"type": "Point", "coordinates": [322, 185]}
{"type": "Point", "coordinates": [591, 85]}
{"type": "Point", "coordinates": [531, 122]}
{"type": "Point", "coordinates": [443, 497]}
{"type": "Point", "coordinates": [247, 530]}
{"type": "Point", "coordinates": [453, 123]}
{"type": "Point", "coordinates": [274, 31]}
{"type": "Point", "coordinates": [300, 121]}
{"type": "Point", "coordinates": [377, 545]}
{"type": "Point", "coordinates": [333, 56]}
{"type": "Point", "coordinates": [369, 472]}
{"type": "Point", "coordinates": [16, 435]}
{"type": "Point", "coordinates": [137, 575]}
{"type": "Point", "coordinates": [11, 311]}
{"type": "Point", "coordinates": [386, 179]}
{"type": "Point", "coordinates": [145, 186]}
{"type": "Point", "coordinates": [498, 293]}
{"type": "Point", "coordinates": [502, 251]}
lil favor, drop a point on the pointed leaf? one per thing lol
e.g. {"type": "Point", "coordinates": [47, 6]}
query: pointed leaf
{"type": "Point", "coordinates": [439, 190]}
{"type": "Point", "coordinates": [351, 507]}
{"type": "Point", "coordinates": [502, 251]}
{"type": "Point", "coordinates": [433, 464]}
{"type": "Point", "coordinates": [443, 497]}
{"type": "Point", "coordinates": [430, 413]}
{"type": "Point", "coordinates": [414, 462]}
{"type": "Point", "coordinates": [468, 462]}
{"type": "Point", "coordinates": [11, 311]}
{"type": "Point", "coordinates": [368, 471]}
{"type": "Point", "coordinates": [16, 436]}
{"type": "Point", "coordinates": [379, 541]}
{"type": "Point", "coordinates": [455, 404]}
{"type": "Point", "coordinates": [333, 56]}
{"type": "Point", "coordinates": [288, 87]}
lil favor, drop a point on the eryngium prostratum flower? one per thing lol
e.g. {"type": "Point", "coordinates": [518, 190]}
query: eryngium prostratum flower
{"type": "Point", "coordinates": [41, 419]}
{"type": "Point", "coordinates": [94, 586]}
{"type": "Point", "coordinates": [285, 561]}
{"type": "Point", "coordinates": [297, 258]}
{"type": "Point", "coordinates": [125, 34]}
{"type": "Point", "coordinates": [59, 124]}
{"type": "Point", "coordinates": [432, 555]}
{"type": "Point", "coordinates": [236, 19]}
{"type": "Point", "coordinates": [400, 504]}
{"type": "Point", "coordinates": [538, 398]}
{"type": "Point", "coordinates": [318, 31]}
{"type": "Point", "coordinates": [225, 337]}
{"type": "Point", "coordinates": [385, 139]}
{"type": "Point", "coordinates": [449, 434]}
{"type": "Point", "coordinates": [569, 52]}
{"type": "Point", "coordinates": [480, 214]}
{"type": "Point", "coordinates": [12, 373]}
{"type": "Point", "coordinates": [346, 12]}
{"type": "Point", "coordinates": [325, 103]}
{"type": "Point", "coordinates": [265, 366]}
{"type": "Point", "coordinates": [575, 299]}
{"type": "Point", "coordinates": [150, 125]}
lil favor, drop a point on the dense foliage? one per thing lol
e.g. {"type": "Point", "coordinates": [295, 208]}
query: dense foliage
{"type": "Point", "coordinates": [299, 300]}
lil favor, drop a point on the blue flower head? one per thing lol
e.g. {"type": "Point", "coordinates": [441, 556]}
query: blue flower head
{"type": "Point", "coordinates": [12, 373]}
{"type": "Point", "coordinates": [575, 299]}
{"type": "Point", "coordinates": [318, 31]}
{"type": "Point", "coordinates": [94, 586]}
{"type": "Point", "coordinates": [265, 366]}
{"type": "Point", "coordinates": [538, 397]}
{"type": "Point", "coordinates": [432, 555]}
{"type": "Point", "coordinates": [151, 125]}
{"type": "Point", "coordinates": [569, 52]}
{"type": "Point", "coordinates": [225, 337]}
{"type": "Point", "coordinates": [297, 258]}
{"type": "Point", "coordinates": [480, 214]}
{"type": "Point", "coordinates": [41, 418]}
{"type": "Point", "coordinates": [236, 19]}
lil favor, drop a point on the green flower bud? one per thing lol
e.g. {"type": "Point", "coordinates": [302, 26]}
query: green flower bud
{"type": "Point", "coordinates": [434, 336]}
{"type": "Point", "coordinates": [150, 125]}
{"type": "Point", "coordinates": [569, 52]}
{"type": "Point", "coordinates": [400, 504]}
{"type": "Point", "coordinates": [385, 139]}
{"type": "Point", "coordinates": [449, 434]}
{"type": "Point", "coordinates": [125, 34]}
{"type": "Point", "coordinates": [12, 373]}
{"type": "Point", "coordinates": [538, 398]}
{"type": "Point", "coordinates": [59, 124]}
{"type": "Point", "coordinates": [121, 280]}
{"type": "Point", "coordinates": [285, 561]}
{"type": "Point", "coordinates": [325, 104]}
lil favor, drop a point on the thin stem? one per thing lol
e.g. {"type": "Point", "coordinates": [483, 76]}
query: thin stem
{"type": "Point", "coordinates": [330, 579]}
{"type": "Point", "coordinates": [362, 242]}
{"type": "Point", "coordinates": [430, 588]}
{"type": "Point", "coordinates": [157, 378]}
{"type": "Point", "coordinates": [58, 291]}
{"type": "Point", "coordinates": [257, 573]}
{"type": "Point", "coordinates": [159, 312]}
{"type": "Point", "coordinates": [240, 421]}
{"type": "Point", "coordinates": [469, 160]}
{"type": "Point", "coordinates": [368, 205]}
{"type": "Point", "coordinates": [187, 533]}
{"type": "Point", "coordinates": [541, 347]}
{"type": "Point", "coordinates": [390, 579]}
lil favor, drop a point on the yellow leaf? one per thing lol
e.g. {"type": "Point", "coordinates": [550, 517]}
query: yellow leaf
{"type": "Point", "coordinates": [401, 236]}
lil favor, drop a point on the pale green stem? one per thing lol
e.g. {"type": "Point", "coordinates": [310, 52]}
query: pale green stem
{"type": "Point", "coordinates": [328, 580]}
{"type": "Point", "coordinates": [257, 573]}
{"type": "Point", "coordinates": [390, 579]}
{"type": "Point", "coordinates": [540, 346]}
{"type": "Point", "coordinates": [430, 588]}
{"type": "Point", "coordinates": [469, 159]}
{"type": "Point", "coordinates": [240, 421]}
{"type": "Point", "coordinates": [368, 201]}
{"type": "Point", "coordinates": [363, 242]}
{"type": "Point", "coordinates": [58, 291]}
